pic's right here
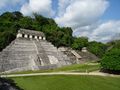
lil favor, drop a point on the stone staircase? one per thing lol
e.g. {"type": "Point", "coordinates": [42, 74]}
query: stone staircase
{"type": "Point", "coordinates": [17, 55]}
{"type": "Point", "coordinates": [41, 53]}
{"type": "Point", "coordinates": [50, 50]}
{"type": "Point", "coordinates": [23, 54]}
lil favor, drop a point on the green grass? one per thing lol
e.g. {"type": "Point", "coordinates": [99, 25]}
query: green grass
{"type": "Point", "coordinates": [63, 82]}
{"type": "Point", "coordinates": [80, 68]}
{"type": "Point", "coordinates": [74, 68]}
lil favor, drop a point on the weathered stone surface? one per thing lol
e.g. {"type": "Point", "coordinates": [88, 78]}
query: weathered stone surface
{"type": "Point", "coordinates": [78, 57]}
{"type": "Point", "coordinates": [30, 54]}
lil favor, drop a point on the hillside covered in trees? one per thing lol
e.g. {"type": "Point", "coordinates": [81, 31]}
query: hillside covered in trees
{"type": "Point", "coordinates": [11, 22]}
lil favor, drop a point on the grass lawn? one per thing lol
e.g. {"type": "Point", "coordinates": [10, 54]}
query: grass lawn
{"type": "Point", "coordinates": [80, 68]}
{"type": "Point", "coordinates": [74, 68]}
{"type": "Point", "coordinates": [62, 82]}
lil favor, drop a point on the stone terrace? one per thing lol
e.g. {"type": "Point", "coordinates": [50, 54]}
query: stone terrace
{"type": "Point", "coordinates": [30, 51]}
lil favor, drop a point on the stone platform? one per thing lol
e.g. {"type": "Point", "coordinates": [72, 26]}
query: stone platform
{"type": "Point", "coordinates": [33, 53]}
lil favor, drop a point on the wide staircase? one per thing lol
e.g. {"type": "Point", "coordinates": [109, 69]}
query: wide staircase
{"type": "Point", "coordinates": [18, 55]}
{"type": "Point", "coordinates": [24, 54]}
{"type": "Point", "coordinates": [61, 59]}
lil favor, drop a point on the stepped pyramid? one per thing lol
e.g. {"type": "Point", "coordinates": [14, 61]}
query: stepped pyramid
{"type": "Point", "coordinates": [31, 51]}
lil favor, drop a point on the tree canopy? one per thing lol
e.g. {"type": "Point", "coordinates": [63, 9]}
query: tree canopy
{"type": "Point", "coordinates": [97, 48]}
{"type": "Point", "coordinates": [111, 60]}
{"type": "Point", "coordinates": [11, 22]}
{"type": "Point", "coordinates": [79, 43]}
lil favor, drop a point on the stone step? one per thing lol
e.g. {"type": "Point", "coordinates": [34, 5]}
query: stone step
{"type": "Point", "coordinates": [42, 54]}
{"type": "Point", "coordinates": [21, 52]}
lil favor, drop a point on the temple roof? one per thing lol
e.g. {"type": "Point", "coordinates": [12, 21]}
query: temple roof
{"type": "Point", "coordinates": [31, 32]}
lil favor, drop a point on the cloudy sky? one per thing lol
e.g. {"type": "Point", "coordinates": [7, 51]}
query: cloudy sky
{"type": "Point", "coordinates": [97, 19]}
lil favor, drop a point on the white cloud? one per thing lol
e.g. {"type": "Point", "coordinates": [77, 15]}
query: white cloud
{"type": "Point", "coordinates": [84, 18]}
{"type": "Point", "coordinates": [77, 13]}
{"type": "Point", "coordinates": [106, 31]}
{"type": "Point", "coordinates": [100, 31]}
{"type": "Point", "coordinates": [82, 15]}
{"type": "Point", "coordinates": [63, 4]}
{"type": "Point", "coordinates": [43, 7]}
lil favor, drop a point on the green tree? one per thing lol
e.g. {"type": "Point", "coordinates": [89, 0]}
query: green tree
{"type": "Point", "coordinates": [111, 60]}
{"type": "Point", "coordinates": [12, 21]}
{"type": "Point", "coordinates": [26, 22]}
{"type": "Point", "coordinates": [113, 44]}
{"type": "Point", "coordinates": [6, 38]}
{"type": "Point", "coordinates": [79, 43]}
{"type": "Point", "coordinates": [97, 48]}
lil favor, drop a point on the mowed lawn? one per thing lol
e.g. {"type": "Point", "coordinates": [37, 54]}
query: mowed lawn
{"type": "Point", "coordinates": [62, 82]}
{"type": "Point", "coordinates": [72, 68]}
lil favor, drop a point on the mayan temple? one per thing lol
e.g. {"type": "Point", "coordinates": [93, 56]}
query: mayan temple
{"type": "Point", "coordinates": [31, 51]}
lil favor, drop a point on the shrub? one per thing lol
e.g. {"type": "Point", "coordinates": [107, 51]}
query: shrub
{"type": "Point", "coordinates": [97, 48]}
{"type": "Point", "coordinates": [111, 60]}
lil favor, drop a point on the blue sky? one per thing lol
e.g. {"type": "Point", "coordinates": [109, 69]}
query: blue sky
{"type": "Point", "coordinates": [97, 19]}
{"type": "Point", "coordinates": [113, 12]}
{"type": "Point", "coordinates": [55, 4]}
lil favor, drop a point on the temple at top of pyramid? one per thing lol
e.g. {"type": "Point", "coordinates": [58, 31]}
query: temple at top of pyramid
{"type": "Point", "coordinates": [25, 33]}
{"type": "Point", "coordinates": [31, 51]}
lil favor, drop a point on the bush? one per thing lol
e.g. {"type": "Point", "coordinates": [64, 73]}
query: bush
{"type": "Point", "coordinates": [79, 43]}
{"type": "Point", "coordinates": [97, 48]}
{"type": "Point", "coordinates": [111, 60]}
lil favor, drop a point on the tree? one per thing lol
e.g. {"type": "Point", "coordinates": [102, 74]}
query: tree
{"type": "Point", "coordinates": [26, 22]}
{"type": "Point", "coordinates": [113, 44]}
{"type": "Point", "coordinates": [12, 21]}
{"type": "Point", "coordinates": [6, 38]}
{"type": "Point", "coordinates": [111, 60]}
{"type": "Point", "coordinates": [97, 48]}
{"type": "Point", "coordinates": [60, 37]}
{"type": "Point", "coordinates": [79, 43]}
{"type": "Point", "coordinates": [17, 15]}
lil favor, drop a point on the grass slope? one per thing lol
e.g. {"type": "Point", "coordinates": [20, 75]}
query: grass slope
{"type": "Point", "coordinates": [74, 68]}
{"type": "Point", "coordinates": [68, 83]}
{"type": "Point", "coordinates": [80, 68]}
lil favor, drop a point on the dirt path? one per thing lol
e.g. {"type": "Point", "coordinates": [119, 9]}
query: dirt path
{"type": "Point", "coordinates": [61, 73]}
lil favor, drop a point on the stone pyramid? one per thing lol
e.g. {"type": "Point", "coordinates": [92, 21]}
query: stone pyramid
{"type": "Point", "coordinates": [30, 51]}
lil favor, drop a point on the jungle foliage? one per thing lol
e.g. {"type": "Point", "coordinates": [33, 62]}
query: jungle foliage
{"type": "Point", "coordinates": [11, 22]}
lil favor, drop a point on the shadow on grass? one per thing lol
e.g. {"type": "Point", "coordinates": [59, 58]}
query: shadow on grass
{"type": "Point", "coordinates": [8, 84]}
{"type": "Point", "coordinates": [116, 72]}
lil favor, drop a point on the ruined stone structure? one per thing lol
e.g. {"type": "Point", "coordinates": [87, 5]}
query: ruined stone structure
{"type": "Point", "coordinates": [31, 51]}
{"type": "Point", "coordinates": [79, 57]}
